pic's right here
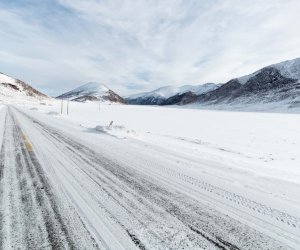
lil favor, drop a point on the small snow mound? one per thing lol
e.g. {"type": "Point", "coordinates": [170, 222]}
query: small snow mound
{"type": "Point", "coordinates": [101, 129]}
{"type": "Point", "coordinates": [117, 127]}
{"type": "Point", "coordinates": [53, 113]}
{"type": "Point", "coordinates": [115, 130]}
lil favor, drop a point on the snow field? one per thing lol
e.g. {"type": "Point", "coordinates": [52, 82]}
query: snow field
{"type": "Point", "coordinates": [270, 139]}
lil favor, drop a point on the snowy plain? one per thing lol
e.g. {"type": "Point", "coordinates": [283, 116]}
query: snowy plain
{"type": "Point", "coordinates": [243, 164]}
{"type": "Point", "coordinates": [271, 140]}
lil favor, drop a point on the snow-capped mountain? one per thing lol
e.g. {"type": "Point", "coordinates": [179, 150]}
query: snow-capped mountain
{"type": "Point", "coordinates": [160, 95]}
{"type": "Point", "coordinates": [275, 85]}
{"type": "Point", "coordinates": [92, 91]}
{"type": "Point", "coordinates": [12, 89]}
{"type": "Point", "coordinates": [272, 84]}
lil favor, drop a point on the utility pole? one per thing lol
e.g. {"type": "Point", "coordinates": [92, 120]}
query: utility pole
{"type": "Point", "coordinates": [61, 107]}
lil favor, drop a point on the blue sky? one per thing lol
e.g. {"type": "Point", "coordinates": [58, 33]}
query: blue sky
{"type": "Point", "coordinates": [139, 45]}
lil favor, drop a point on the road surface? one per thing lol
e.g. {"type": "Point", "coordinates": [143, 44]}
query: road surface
{"type": "Point", "coordinates": [58, 193]}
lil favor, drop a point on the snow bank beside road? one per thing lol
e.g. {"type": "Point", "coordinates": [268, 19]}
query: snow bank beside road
{"type": "Point", "coordinates": [2, 120]}
{"type": "Point", "coordinates": [115, 130]}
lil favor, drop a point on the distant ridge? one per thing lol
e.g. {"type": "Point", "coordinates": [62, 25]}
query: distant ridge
{"type": "Point", "coordinates": [277, 84]}
{"type": "Point", "coordinates": [160, 95]}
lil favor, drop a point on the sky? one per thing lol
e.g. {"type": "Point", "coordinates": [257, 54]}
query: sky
{"type": "Point", "coordinates": [139, 45]}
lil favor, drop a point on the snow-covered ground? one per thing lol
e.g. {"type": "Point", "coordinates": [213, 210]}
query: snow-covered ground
{"type": "Point", "coordinates": [243, 164]}
{"type": "Point", "coordinates": [254, 104]}
{"type": "Point", "coordinates": [271, 140]}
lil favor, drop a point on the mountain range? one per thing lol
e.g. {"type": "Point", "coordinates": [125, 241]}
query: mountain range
{"type": "Point", "coordinates": [277, 83]}
{"type": "Point", "coordinates": [159, 96]}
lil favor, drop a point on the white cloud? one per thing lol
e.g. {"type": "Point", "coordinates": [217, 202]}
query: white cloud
{"type": "Point", "coordinates": [145, 44]}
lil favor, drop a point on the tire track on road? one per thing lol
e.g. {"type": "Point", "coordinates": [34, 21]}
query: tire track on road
{"type": "Point", "coordinates": [257, 207]}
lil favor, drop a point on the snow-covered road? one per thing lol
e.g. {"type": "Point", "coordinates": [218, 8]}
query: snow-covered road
{"type": "Point", "coordinates": [59, 191]}
{"type": "Point", "coordinates": [32, 214]}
